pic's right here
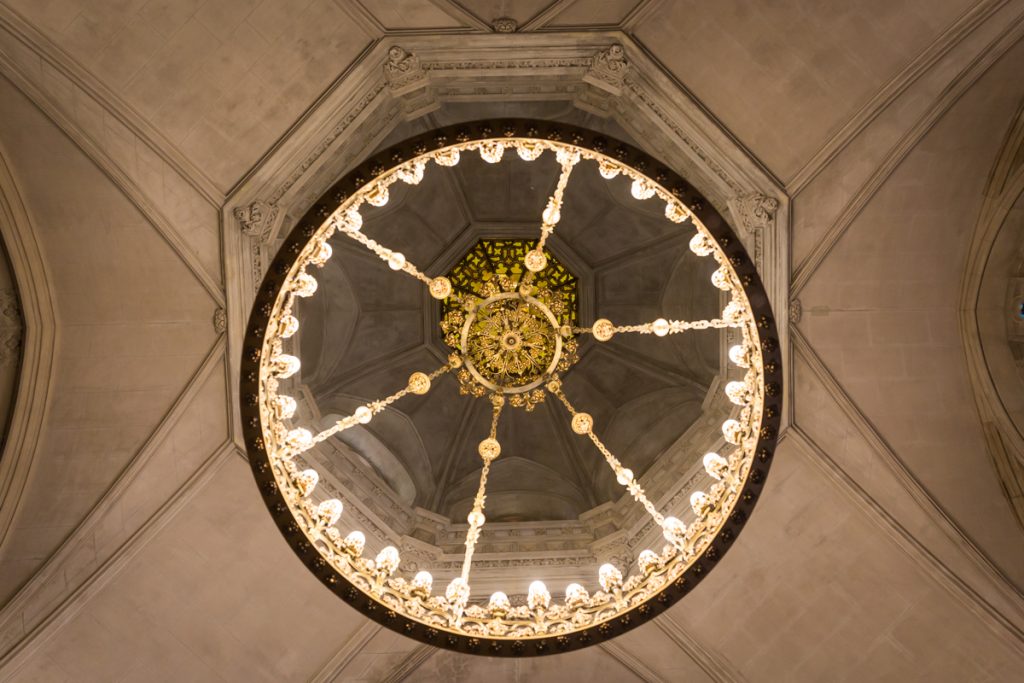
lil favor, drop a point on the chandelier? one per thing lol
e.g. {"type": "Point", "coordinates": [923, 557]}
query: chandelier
{"type": "Point", "coordinates": [511, 328]}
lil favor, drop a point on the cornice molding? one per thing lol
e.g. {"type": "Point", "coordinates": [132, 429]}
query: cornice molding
{"type": "Point", "coordinates": [32, 397]}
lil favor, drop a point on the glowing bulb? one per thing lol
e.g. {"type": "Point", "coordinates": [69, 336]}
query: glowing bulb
{"type": "Point", "coordinates": [624, 477]}
{"type": "Point", "coordinates": [551, 213]}
{"type": "Point", "coordinates": [285, 366]}
{"type": "Point", "coordinates": [299, 439]}
{"type": "Point", "coordinates": [303, 285]}
{"type": "Point", "coordinates": [608, 169]}
{"type": "Point", "coordinates": [284, 407]}
{"type": "Point", "coordinates": [491, 152]}
{"type": "Point", "coordinates": [701, 245]}
{"type": "Point", "coordinates": [738, 355]}
{"type": "Point", "coordinates": [396, 261]}
{"type": "Point", "coordinates": [378, 196]}
{"type": "Point", "coordinates": [733, 312]}
{"type": "Point", "coordinates": [422, 582]}
{"type": "Point", "coordinates": [353, 221]}
{"type": "Point", "coordinates": [528, 151]}
{"type": "Point", "coordinates": [660, 327]}
{"type": "Point", "coordinates": [641, 190]}
{"type": "Point", "coordinates": [609, 577]}
{"type": "Point", "coordinates": [412, 174]}
{"type": "Point", "coordinates": [673, 529]}
{"type": "Point", "coordinates": [457, 591]}
{"type": "Point", "coordinates": [737, 392]}
{"type": "Point", "coordinates": [321, 253]}
{"type": "Point", "coordinates": [731, 430]}
{"type": "Point", "coordinates": [306, 481]}
{"type": "Point", "coordinates": [700, 502]}
{"type": "Point", "coordinates": [354, 543]}
{"type": "Point", "coordinates": [720, 279]}
{"type": "Point", "coordinates": [576, 595]}
{"type": "Point", "coordinates": [329, 512]}
{"type": "Point", "coordinates": [648, 561]}
{"type": "Point", "coordinates": [675, 212]}
{"type": "Point", "coordinates": [447, 157]}
{"type": "Point", "coordinates": [476, 518]}
{"type": "Point", "coordinates": [499, 603]}
{"type": "Point", "coordinates": [288, 326]}
{"type": "Point", "coordinates": [538, 595]}
{"type": "Point", "coordinates": [387, 560]}
{"type": "Point", "coordinates": [363, 415]}
{"type": "Point", "coordinates": [715, 465]}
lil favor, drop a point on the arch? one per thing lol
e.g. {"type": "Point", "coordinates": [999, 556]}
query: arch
{"type": "Point", "coordinates": [32, 396]}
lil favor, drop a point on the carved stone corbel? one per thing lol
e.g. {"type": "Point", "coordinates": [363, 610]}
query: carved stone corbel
{"type": "Point", "coordinates": [603, 81]}
{"type": "Point", "coordinates": [408, 82]}
{"type": "Point", "coordinates": [755, 212]}
{"type": "Point", "coordinates": [505, 25]}
{"type": "Point", "coordinates": [257, 219]}
{"type": "Point", "coordinates": [608, 69]}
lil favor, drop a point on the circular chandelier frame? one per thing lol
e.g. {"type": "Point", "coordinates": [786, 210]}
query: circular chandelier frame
{"type": "Point", "coordinates": [542, 626]}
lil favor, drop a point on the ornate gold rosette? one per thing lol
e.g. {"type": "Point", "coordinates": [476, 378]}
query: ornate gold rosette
{"type": "Point", "coordinates": [513, 335]}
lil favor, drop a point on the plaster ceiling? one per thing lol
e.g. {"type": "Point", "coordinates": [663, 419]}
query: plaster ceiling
{"type": "Point", "coordinates": [133, 545]}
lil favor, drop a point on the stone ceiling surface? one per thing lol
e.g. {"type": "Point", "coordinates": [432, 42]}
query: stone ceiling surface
{"type": "Point", "coordinates": [133, 545]}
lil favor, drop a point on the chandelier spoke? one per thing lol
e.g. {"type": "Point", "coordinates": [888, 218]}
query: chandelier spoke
{"type": "Point", "coordinates": [583, 423]}
{"type": "Point", "coordinates": [419, 383]}
{"type": "Point", "coordinates": [536, 260]}
{"type": "Point", "coordinates": [350, 224]}
{"type": "Point", "coordinates": [604, 329]}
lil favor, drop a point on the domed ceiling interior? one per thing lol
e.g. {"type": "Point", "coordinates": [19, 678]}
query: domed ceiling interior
{"type": "Point", "coordinates": [374, 327]}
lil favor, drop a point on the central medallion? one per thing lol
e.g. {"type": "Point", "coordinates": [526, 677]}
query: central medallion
{"type": "Point", "coordinates": [511, 342]}
{"type": "Point", "coordinates": [512, 328]}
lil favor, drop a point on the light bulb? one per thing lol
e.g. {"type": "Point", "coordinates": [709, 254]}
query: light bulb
{"type": "Point", "coordinates": [538, 595]}
{"type": "Point", "coordinates": [499, 603]}
{"type": "Point", "coordinates": [700, 502]}
{"type": "Point", "coordinates": [576, 595]}
{"type": "Point", "coordinates": [422, 582]}
{"type": "Point", "coordinates": [720, 279]}
{"type": "Point", "coordinates": [673, 529]}
{"type": "Point", "coordinates": [306, 481]}
{"type": "Point", "coordinates": [284, 407]}
{"type": "Point", "coordinates": [396, 261]}
{"type": "Point", "coordinates": [299, 439]}
{"type": "Point", "coordinates": [363, 414]}
{"type": "Point", "coordinates": [329, 512]}
{"type": "Point", "coordinates": [715, 465]}
{"type": "Point", "coordinates": [608, 169]}
{"type": "Point", "coordinates": [648, 561]}
{"type": "Point", "coordinates": [738, 355]}
{"type": "Point", "coordinates": [731, 430]}
{"type": "Point", "coordinates": [609, 577]}
{"type": "Point", "coordinates": [701, 245]}
{"type": "Point", "coordinates": [641, 190]}
{"type": "Point", "coordinates": [303, 285]}
{"type": "Point", "coordinates": [737, 392]}
{"type": "Point", "coordinates": [285, 366]}
{"type": "Point", "coordinates": [354, 543]}
{"type": "Point", "coordinates": [660, 327]}
{"type": "Point", "coordinates": [288, 326]}
{"type": "Point", "coordinates": [624, 477]}
{"type": "Point", "coordinates": [387, 560]}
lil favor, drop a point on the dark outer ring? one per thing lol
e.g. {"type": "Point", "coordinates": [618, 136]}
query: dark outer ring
{"type": "Point", "coordinates": [404, 151]}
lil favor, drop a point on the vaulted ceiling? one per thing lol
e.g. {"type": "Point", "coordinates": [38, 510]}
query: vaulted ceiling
{"type": "Point", "coordinates": [888, 543]}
